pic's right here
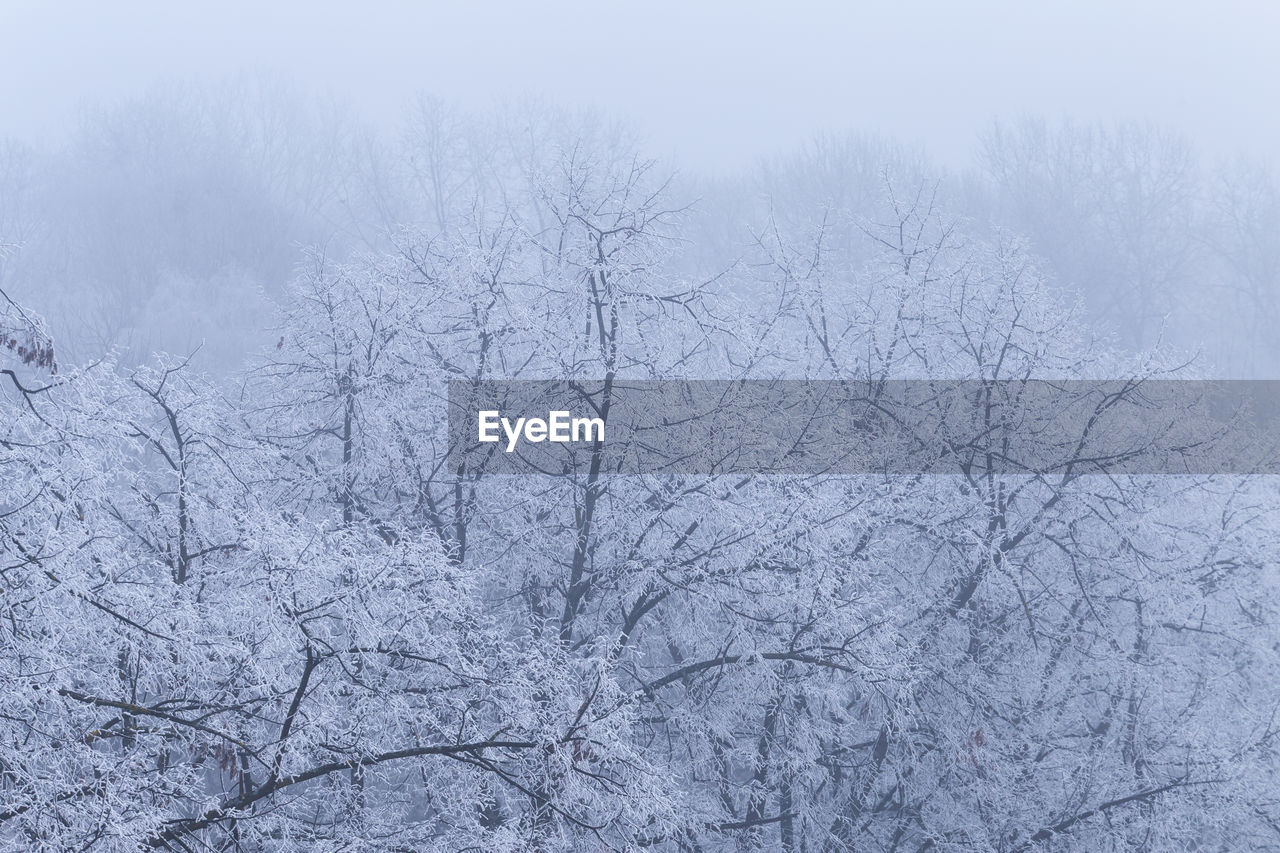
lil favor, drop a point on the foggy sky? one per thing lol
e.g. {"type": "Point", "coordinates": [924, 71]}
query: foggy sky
{"type": "Point", "coordinates": [715, 83]}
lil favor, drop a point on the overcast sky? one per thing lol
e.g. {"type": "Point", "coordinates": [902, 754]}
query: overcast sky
{"type": "Point", "coordinates": [717, 83]}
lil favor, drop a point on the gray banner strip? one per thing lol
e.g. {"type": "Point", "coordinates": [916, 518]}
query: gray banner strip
{"type": "Point", "coordinates": [803, 427]}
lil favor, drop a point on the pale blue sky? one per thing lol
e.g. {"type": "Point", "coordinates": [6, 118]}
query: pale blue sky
{"type": "Point", "coordinates": [717, 82]}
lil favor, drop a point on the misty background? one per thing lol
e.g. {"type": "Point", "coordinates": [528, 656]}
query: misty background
{"type": "Point", "coordinates": [251, 598]}
{"type": "Point", "coordinates": [162, 167]}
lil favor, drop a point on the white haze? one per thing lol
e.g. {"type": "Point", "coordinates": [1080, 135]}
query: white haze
{"type": "Point", "coordinates": [254, 257]}
{"type": "Point", "coordinates": [716, 83]}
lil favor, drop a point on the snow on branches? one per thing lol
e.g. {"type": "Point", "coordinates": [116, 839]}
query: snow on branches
{"type": "Point", "coordinates": [277, 619]}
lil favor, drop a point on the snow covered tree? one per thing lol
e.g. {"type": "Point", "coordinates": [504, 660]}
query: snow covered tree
{"type": "Point", "coordinates": [277, 616]}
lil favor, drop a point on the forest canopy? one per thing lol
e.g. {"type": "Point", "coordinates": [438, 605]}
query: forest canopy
{"type": "Point", "coordinates": [245, 604]}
